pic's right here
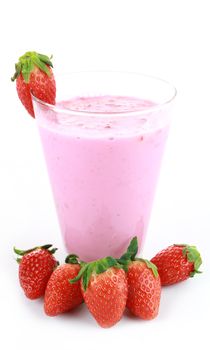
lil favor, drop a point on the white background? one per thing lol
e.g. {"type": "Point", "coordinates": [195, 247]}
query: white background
{"type": "Point", "coordinates": [169, 39]}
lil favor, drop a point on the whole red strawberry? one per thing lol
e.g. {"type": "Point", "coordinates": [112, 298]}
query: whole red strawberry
{"type": "Point", "coordinates": [104, 288]}
{"type": "Point", "coordinates": [60, 295]}
{"type": "Point", "coordinates": [144, 287]}
{"type": "Point", "coordinates": [34, 75]}
{"type": "Point", "coordinates": [177, 263]}
{"type": "Point", "coordinates": [35, 269]}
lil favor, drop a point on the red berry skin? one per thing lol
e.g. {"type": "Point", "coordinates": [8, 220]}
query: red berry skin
{"type": "Point", "coordinates": [106, 296]}
{"type": "Point", "coordinates": [144, 291]}
{"type": "Point", "coordinates": [42, 86]}
{"type": "Point", "coordinates": [172, 265]}
{"type": "Point", "coordinates": [60, 295]}
{"type": "Point", "coordinates": [35, 270]}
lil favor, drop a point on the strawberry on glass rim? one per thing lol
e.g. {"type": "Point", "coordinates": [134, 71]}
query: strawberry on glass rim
{"type": "Point", "coordinates": [33, 73]}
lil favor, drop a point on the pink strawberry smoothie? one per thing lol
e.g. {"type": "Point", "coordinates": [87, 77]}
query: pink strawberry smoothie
{"type": "Point", "coordinates": [103, 167]}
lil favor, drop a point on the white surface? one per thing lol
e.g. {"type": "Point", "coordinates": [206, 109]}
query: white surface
{"type": "Point", "coordinates": [164, 38]}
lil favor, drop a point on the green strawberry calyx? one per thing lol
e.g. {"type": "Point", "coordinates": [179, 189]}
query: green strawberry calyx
{"type": "Point", "coordinates": [192, 255]}
{"type": "Point", "coordinates": [130, 256]}
{"type": "Point", "coordinates": [28, 62]}
{"type": "Point", "coordinates": [150, 265]}
{"type": "Point", "coordinates": [21, 253]}
{"type": "Point", "coordinates": [94, 267]}
{"type": "Point", "coordinates": [131, 252]}
{"type": "Point", "coordinates": [72, 259]}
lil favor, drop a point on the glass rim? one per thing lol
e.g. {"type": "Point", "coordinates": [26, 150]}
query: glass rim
{"type": "Point", "coordinates": [142, 111]}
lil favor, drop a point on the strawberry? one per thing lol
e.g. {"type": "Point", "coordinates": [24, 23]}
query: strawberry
{"type": "Point", "coordinates": [104, 288]}
{"type": "Point", "coordinates": [177, 263]}
{"type": "Point", "coordinates": [144, 287]}
{"type": "Point", "coordinates": [33, 74]}
{"type": "Point", "coordinates": [60, 295]}
{"type": "Point", "coordinates": [35, 269]}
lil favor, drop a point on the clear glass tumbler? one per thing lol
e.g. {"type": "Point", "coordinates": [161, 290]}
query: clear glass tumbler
{"type": "Point", "coordinates": [103, 143]}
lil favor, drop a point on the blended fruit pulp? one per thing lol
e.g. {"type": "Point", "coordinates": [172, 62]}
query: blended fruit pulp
{"type": "Point", "coordinates": [103, 167]}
